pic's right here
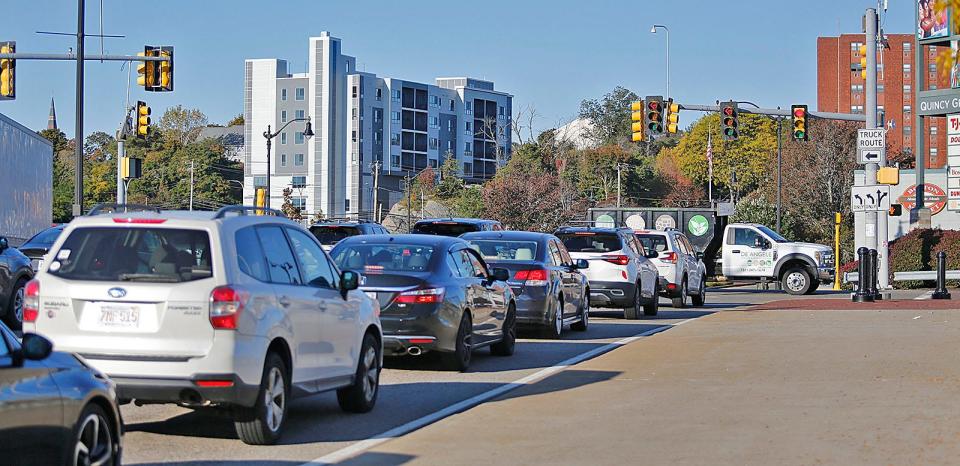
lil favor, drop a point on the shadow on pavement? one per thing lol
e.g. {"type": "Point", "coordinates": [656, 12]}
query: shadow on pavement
{"type": "Point", "coordinates": [373, 458]}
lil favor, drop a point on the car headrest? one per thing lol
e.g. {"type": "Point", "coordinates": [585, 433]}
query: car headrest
{"type": "Point", "coordinates": [523, 254]}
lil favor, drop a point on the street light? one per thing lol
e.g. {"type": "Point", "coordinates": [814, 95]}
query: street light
{"type": "Point", "coordinates": [653, 30]}
{"type": "Point", "coordinates": [307, 132]}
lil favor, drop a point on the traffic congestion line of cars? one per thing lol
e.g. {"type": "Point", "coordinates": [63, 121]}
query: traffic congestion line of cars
{"type": "Point", "coordinates": [242, 310]}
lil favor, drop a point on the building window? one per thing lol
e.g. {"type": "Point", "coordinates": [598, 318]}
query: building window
{"type": "Point", "coordinates": [283, 160]}
{"type": "Point", "coordinates": [500, 111]}
{"type": "Point", "coordinates": [434, 144]}
{"type": "Point", "coordinates": [907, 88]}
{"type": "Point", "coordinates": [434, 122]}
{"type": "Point", "coordinates": [855, 47]}
{"type": "Point", "coordinates": [469, 107]}
{"type": "Point", "coordinates": [907, 46]}
{"type": "Point", "coordinates": [298, 137]}
{"type": "Point", "coordinates": [449, 125]}
{"type": "Point", "coordinates": [259, 181]}
{"type": "Point", "coordinates": [396, 95]}
{"type": "Point", "coordinates": [933, 130]}
{"type": "Point", "coordinates": [353, 113]}
{"type": "Point", "coordinates": [353, 136]}
{"type": "Point", "coordinates": [435, 101]}
{"type": "Point", "coordinates": [300, 93]}
{"type": "Point", "coordinates": [377, 137]}
{"type": "Point", "coordinates": [298, 160]}
{"type": "Point", "coordinates": [395, 139]}
{"type": "Point", "coordinates": [283, 116]}
{"type": "Point", "coordinates": [298, 182]}
{"type": "Point", "coordinates": [906, 67]}
{"type": "Point", "coordinates": [300, 113]}
{"type": "Point", "coordinates": [856, 109]}
{"type": "Point", "coordinates": [433, 163]}
{"type": "Point", "coordinates": [395, 116]}
{"type": "Point", "coordinates": [933, 86]}
{"type": "Point", "coordinates": [379, 94]}
{"type": "Point", "coordinates": [469, 129]}
{"type": "Point", "coordinates": [299, 202]}
{"type": "Point", "coordinates": [933, 153]}
{"type": "Point", "coordinates": [395, 160]}
{"type": "Point", "coordinates": [856, 88]}
{"type": "Point", "coordinates": [283, 94]}
{"type": "Point", "coordinates": [452, 105]}
{"type": "Point", "coordinates": [906, 109]}
{"type": "Point", "coordinates": [466, 147]}
{"type": "Point", "coordinates": [467, 169]}
{"type": "Point", "coordinates": [932, 67]}
{"type": "Point", "coordinates": [283, 138]}
{"type": "Point", "coordinates": [449, 146]}
{"type": "Point", "coordinates": [353, 92]}
{"type": "Point", "coordinates": [346, 205]}
{"type": "Point", "coordinates": [879, 88]}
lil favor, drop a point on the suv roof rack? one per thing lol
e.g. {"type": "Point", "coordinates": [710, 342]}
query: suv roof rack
{"type": "Point", "coordinates": [244, 209]}
{"type": "Point", "coordinates": [111, 208]}
{"type": "Point", "coordinates": [344, 220]}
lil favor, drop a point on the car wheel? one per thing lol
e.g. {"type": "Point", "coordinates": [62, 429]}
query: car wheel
{"type": "Point", "coordinates": [796, 281]}
{"type": "Point", "coordinates": [15, 313]}
{"type": "Point", "coordinates": [701, 297]}
{"type": "Point", "coordinates": [680, 301]}
{"type": "Point", "coordinates": [93, 439]}
{"type": "Point", "coordinates": [459, 359]}
{"type": "Point", "coordinates": [362, 395]}
{"type": "Point", "coordinates": [651, 308]}
{"type": "Point", "coordinates": [262, 423]}
{"type": "Point", "coordinates": [555, 330]}
{"type": "Point", "coordinates": [813, 287]}
{"type": "Point", "coordinates": [633, 312]}
{"type": "Point", "coordinates": [508, 343]}
{"type": "Point", "coordinates": [584, 322]}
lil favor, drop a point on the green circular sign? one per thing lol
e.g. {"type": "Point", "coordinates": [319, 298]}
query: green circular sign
{"type": "Point", "coordinates": [698, 225]}
{"type": "Point", "coordinates": [605, 221]}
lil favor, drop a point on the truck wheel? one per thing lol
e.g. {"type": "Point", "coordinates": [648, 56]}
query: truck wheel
{"type": "Point", "coordinates": [796, 281]}
{"type": "Point", "coordinates": [813, 287]}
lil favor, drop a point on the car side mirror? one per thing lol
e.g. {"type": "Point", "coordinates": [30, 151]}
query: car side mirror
{"type": "Point", "coordinates": [652, 255]}
{"type": "Point", "coordinates": [35, 347]}
{"type": "Point", "coordinates": [4, 244]}
{"type": "Point", "coordinates": [582, 264]}
{"type": "Point", "coordinates": [349, 280]}
{"type": "Point", "coordinates": [501, 274]}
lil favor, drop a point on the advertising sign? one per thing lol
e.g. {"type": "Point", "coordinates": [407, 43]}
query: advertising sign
{"type": "Point", "coordinates": [934, 198]}
{"type": "Point", "coordinates": [932, 24]}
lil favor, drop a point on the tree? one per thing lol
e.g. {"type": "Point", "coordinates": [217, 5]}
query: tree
{"type": "Point", "coordinates": [180, 126]}
{"type": "Point", "coordinates": [755, 209]}
{"type": "Point", "coordinates": [609, 116]}
{"type": "Point", "coordinates": [236, 121]}
{"type": "Point", "coordinates": [63, 172]}
{"type": "Point", "coordinates": [451, 184]}
{"type": "Point", "coordinates": [291, 211]}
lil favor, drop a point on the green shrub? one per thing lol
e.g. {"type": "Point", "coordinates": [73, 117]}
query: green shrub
{"type": "Point", "coordinates": [918, 250]}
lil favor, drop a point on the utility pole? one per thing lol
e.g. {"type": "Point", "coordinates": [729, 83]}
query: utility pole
{"type": "Point", "coordinates": [121, 156]}
{"type": "Point", "coordinates": [882, 230]}
{"type": "Point", "coordinates": [409, 204]}
{"type": "Point", "coordinates": [870, 108]}
{"type": "Point", "coordinates": [78, 136]}
{"type": "Point", "coordinates": [779, 170]}
{"type": "Point", "coordinates": [619, 167]}
{"type": "Point", "coordinates": [191, 185]}
{"type": "Point", "coordinates": [376, 190]}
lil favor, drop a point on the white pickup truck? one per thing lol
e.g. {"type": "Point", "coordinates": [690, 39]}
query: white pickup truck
{"type": "Point", "coordinates": [751, 252]}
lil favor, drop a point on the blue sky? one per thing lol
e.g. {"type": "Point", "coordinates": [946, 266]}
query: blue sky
{"type": "Point", "coordinates": [549, 55]}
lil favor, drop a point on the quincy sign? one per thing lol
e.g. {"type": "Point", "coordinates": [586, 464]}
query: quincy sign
{"type": "Point", "coordinates": [939, 104]}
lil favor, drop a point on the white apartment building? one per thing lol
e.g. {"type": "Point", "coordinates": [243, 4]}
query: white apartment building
{"type": "Point", "coordinates": [359, 119]}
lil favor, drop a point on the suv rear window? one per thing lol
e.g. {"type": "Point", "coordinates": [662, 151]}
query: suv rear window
{"type": "Point", "coordinates": [653, 242]}
{"type": "Point", "coordinates": [158, 255]}
{"type": "Point", "coordinates": [445, 228]}
{"type": "Point", "coordinates": [591, 242]}
{"type": "Point", "coordinates": [332, 234]}
{"type": "Point", "coordinates": [380, 258]}
{"type": "Point", "coordinates": [504, 250]}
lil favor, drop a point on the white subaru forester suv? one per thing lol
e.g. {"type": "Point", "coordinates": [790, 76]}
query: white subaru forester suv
{"type": "Point", "coordinates": [225, 309]}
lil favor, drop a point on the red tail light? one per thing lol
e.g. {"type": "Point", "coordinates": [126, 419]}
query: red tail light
{"type": "Point", "coordinates": [617, 259]}
{"type": "Point", "coordinates": [423, 296]}
{"type": "Point", "coordinates": [214, 383]}
{"type": "Point", "coordinates": [535, 277]}
{"type": "Point", "coordinates": [31, 301]}
{"type": "Point", "coordinates": [226, 303]}
{"type": "Point", "coordinates": [151, 221]}
{"type": "Point", "coordinates": [670, 257]}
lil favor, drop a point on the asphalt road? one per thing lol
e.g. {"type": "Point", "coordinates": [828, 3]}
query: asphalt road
{"type": "Point", "coordinates": [410, 390]}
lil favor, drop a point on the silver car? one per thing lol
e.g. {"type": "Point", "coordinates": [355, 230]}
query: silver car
{"type": "Point", "coordinates": [679, 264]}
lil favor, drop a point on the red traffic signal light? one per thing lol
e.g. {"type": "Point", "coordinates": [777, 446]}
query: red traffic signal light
{"type": "Point", "coordinates": [799, 114]}
{"type": "Point", "coordinates": [653, 117]}
{"type": "Point", "coordinates": [729, 121]}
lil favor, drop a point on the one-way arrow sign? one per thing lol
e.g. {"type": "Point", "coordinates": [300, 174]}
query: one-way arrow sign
{"type": "Point", "coordinates": [869, 156]}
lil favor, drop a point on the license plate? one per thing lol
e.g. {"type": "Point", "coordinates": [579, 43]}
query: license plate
{"type": "Point", "coordinates": [119, 316]}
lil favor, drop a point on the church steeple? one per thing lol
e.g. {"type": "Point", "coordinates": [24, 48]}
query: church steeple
{"type": "Point", "coordinates": [52, 120]}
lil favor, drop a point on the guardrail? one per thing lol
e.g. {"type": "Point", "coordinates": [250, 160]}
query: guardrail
{"type": "Point", "coordinates": [931, 275]}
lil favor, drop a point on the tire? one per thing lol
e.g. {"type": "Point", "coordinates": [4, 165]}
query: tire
{"type": "Point", "coordinates": [507, 345]}
{"type": "Point", "coordinates": [796, 281]}
{"type": "Point", "coordinates": [15, 306]}
{"type": "Point", "coordinates": [262, 424]}
{"type": "Point", "coordinates": [584, 322]}
{"type": "Point", "coordinates": [633, 312]}
{"type": "Point", "coordinates": [651, 308]}
{"type": "Point", "coordinates": [361, 397]}
{"type": "Point", "coordinates": [459, 359]}
{"type": "Point", "coordinates": [700, 298]}
{"type": "Point", "coordinates": [93, 439]}
{"type": "Point", "coordinates": [813, 287]}
{"type": "Point", "coordinates": [555, 330]}
{"type": "Point", "coordinates": [680, 301]}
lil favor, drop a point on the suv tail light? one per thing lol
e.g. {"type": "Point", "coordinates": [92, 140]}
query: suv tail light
{"type": "Point", "coordinates": [618, 259]}
{"type": "Point", "coordinates": [670, 257]}
{"type": "Point", "coordinates": [422, 296]}
{"type": "Point", "coordinates": [31, 301]}
{"type": "Point", "coordinates": [226, 302]}
{"type": "Point", "coordinates": [535, 277]}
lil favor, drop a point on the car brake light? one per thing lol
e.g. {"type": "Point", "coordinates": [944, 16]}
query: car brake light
{"type": "Point", "coordinates": [152, 221]}
{"type": "Point", "coordinates": [226, 302]}
{"type": "Point", "coordinates": [214, 383]}
{"type": "Point", "coordinates": [422, 296]}
{"type": "Point", "coordinates": [535, 277]}
{"type": "Point", "coordinates": [618, 259]}
{"type": "Point", "coordinates": [670, 257]}
{"type": "Point", "coordinates": [31, 301]}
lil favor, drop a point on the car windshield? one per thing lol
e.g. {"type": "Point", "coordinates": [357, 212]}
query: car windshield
{"type": "Point", "coordinates": [653, 242]}
{"type": "Point", "coordinates": [333, 234]}
{"type": "Point", "coordinates": [589, 241]}
{"type": "Point", "coordinates": [772, 234]}
{"type": "Point", "coordinates": [445, 228]}
{"type": "Point", "coordinates": [46, 237]}
{"type": "Point", "coordinates": [502, 250]}
{"type": "Point", "coordinates": [382, 258]}
{"type": "Point", "coordinates": [159, 255]}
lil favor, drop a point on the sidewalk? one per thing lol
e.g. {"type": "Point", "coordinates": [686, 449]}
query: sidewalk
{"type": "Point", "coordinates": [739, 388]}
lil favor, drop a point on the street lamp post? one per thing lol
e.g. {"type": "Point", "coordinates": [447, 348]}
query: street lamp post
{"type": "Point", "coordinates": [307, 132]}
{"type": "Point", "coordinates": [653, 30]}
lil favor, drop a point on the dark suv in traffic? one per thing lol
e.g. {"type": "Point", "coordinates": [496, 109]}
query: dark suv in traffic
{"type": "Point", "coordinates": [332, 232]}
{"type": "Point", "coordinates": [454, 226]}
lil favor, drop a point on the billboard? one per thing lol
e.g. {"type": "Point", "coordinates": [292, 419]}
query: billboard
{"type": "Point", "coordinates": [931, 24]}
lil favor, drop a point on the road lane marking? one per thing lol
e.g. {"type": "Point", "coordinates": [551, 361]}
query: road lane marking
{"type": "Point", "coordinates": [363, 445]}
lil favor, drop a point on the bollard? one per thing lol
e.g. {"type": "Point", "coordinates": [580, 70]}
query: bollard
{"type": "Point", "coordinates": [941, 291]}
{"type": "Point", "coordinates": [875, 275]}
{"type": "Point", "coordinates": [860, 295]}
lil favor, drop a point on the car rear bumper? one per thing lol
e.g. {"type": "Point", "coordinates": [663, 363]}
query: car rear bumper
{"type": "Point", "coordinates": [400, 333]}
{"type": "Point", "coordinates": [533, 311]}
{"type": "Point", "coordinates": [188, 391]}
{"type": "Point", "coordinates": [612, 294]}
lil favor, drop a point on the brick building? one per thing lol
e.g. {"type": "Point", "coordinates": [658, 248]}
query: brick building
{"type": "Point", "coordinates": [841, 89]}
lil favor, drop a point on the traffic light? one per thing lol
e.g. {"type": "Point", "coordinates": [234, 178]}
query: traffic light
{"type": "Point", "coordinates": [8, 66]}
{"type": "Point", "coordinates": [895, 210]}
{"type": "Point", "coordinates": [142, 123]}
{"type": "Point", "coordinates": [673, 117]}
{"type": "Point", "coordinates": [156, 76]}
{"type": "Point", "coordinates": [636, 115]}
{"type": "Point", "coordinates": [863, 61]}
{"type": "Point", "coordinates": [888, 175]}
{"type": "Point", "coordinates": [653, 115]}
{"type": "Point", "coordinates": [131, 168]}
{"type": "Point", "coordinates": [729, 122]}
{"type": "Point", "coordinates": [799, 115]}
{"type": "Point", "coordinates": [165, 70]}
{"type": "Point", "coordinates": [147, 70]}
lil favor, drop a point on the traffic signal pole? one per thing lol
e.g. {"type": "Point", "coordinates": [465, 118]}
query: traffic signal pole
{"type": "Point", "coordinates": [875, 228]}
{"type": "Point", "coordinates": [78, 135]}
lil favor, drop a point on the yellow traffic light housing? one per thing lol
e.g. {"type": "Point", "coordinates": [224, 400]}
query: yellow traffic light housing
{"type": "Point", "coordinates": [888, 175]}
{"type": "Point", "coordinates": [863, 61]}
{"type": "Point", "coordinates": [673, 117]}
{"type": "Point", "coordinates": [147, 70]}
{"type": "Point", "coordinates": [799, 115]}
{"type": "Point", "coordinates": [8, 66]}
{"type": "Point", "coordinates": [156, 76]}
{"type": "Point", "coordinates": [165, 70]}
{"type": "Point", "coordinates": [142, 124]}
{"type": "Point", "coordinates": [636, 115]}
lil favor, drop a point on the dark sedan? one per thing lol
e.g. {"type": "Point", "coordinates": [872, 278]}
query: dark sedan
{"type": "Point", "coordinates": [551, 291]}
{"type": "Point", "coordinates": [54, 409]}
{"type": "Point", "coordinates": [15, 272]}
{"type": "Point", "coordinates": [435, 294]}
{"type": "Point", "coordinates": [35, 248]}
